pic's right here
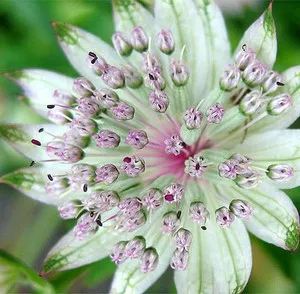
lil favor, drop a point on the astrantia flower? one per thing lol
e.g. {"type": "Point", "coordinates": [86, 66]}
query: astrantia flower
{"type": "Point", "coordinates": [166, 150]}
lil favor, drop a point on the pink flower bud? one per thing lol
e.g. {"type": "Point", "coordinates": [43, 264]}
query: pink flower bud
{"type": "Point", "coordinates": [192, 118]}
{"type": "Point", "coordinates": [113, 77]}
{"type": "Point", "coordinates": [123, 111]}
{"type": "Point", "coordinates": [133, 166]}
{"type": "Point", "coordinates": [88, 107]}
{"type": "Point", "coordinates": [139, 39]}
{"type": "Point", "coordinates": [224, 217]}
{"type": "Point", "coordinates": [198, 212]}
{"type": "Point", "coordinates": [137, 139]}
{"type": "Point", "coordinates": [121, 44]}
{"type": "Point", "coordinates": [241, 208]}
{"type": "Point", "coordinates": [179, 260]}
{"type": "Point", "coordinates": [106, 139]}
{"type": "Point", "coordinates": [215, 113]}
{"type": "Point", "coordinates": [230, 78]}
{"type": "Point", "coordinates": [166, 41]}
{"type": "Point", "coordinates": [179, 72]}
{"type": "Point", "coordinates": [280, 172]}
{"type": "Point", "coordinates": [196, 166]}
{"type": "Point", "coordinates": [279, 104]}
{"type": "Point", "coordinates": [149, 260]}
{"type": "Point", "coordinates": [170, 222]}
{"type": "Point", "coordinates": [107, 173]}
{"type": "Point", "coordinates": [174, 145]}
{"type": "Point", "coordinates": [83, 86]}
{"type": "Point", "coordinates": [159, 101]}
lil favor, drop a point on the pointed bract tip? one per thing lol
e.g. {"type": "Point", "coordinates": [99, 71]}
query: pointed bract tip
{"type": "Point", "coordinates": [14, 75]}
{"type": "Point", "coordinates": [64, 32]}
{"type": "Point", "coordinates": [270, 5]}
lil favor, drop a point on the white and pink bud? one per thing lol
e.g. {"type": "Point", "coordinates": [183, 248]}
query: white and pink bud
{"type": "Point", "coordinates": [64, 98]}
{"type": "Point", "coordinates": [152, 200]}
{"type": "Point", "coordinates": [84, 126]}
{"type": "Point", "coordinates": [224, 217]}
{"type": "Point", "coordinates": [241, 208]}
{"type": "Point", "coordinates": [82, 173]}
{"type": "Point", "coordinates": [255, 73]}
{"type": "Point", "coordinates": [133, 166]}
{"type": "Point", "coordinates": [85, 227]}
{"type": "Point", "coordinates": [133, 221]}
{"type": "Point", "coordinates": [59, 116]}
{"type": "Point", "coordinates": [241, 159]}
{"type": "Point", "coordinates": [248, 180]}
{"type": "Point", "coordinates": [73, 137]}
{"type": "Point", "coordinates": [183, 239]}
{"type": "Point", "coordinates": [195, 166]}
{"type": "Point", "coordinates": [88, 107]}
{"type": "Point", "coordinates": [179, 260]}
{"type": "Point", "coordinates": [174, 145]}
{"type": "Point", "coordinates": [198, 213]}
{"type": "Point", "coordinates": [280, 172]}
{"type": "Point", "coordinates": [151, 63]}
{"type": "Point", "coordinates": [123, 111]}
{"type": "Point", "coordinates": [130, 205]}
{"type": "Point", "coordinates": [137, 139]}
{"type": "Point", "coordinates": [227, 169]}
{"type": "Point", "coordinates": [139, 39]}
{"type": "Point", "coordinates": [118, 255]}
{"type": "Point", "coordinates": [71, 153]}
{"type": "Point", "coordinates": [159, 101]}
{"type": "Point", "coordinates": [133, 79]}
{"type": "Point", "coordinates": [215, 113]}
{"type": "Point", "coordinates": [106, 139]}
{"type": "Point", "coordinates": [272, 81]}
{"type": "Point", "coordinates": [121, 44]}
{"type": "Point", "coordinates": [192, 118]}
{"type": "Point", "coordinates": [166, 41]}
{"type": "Point", "coordinates": [106, 98]}
{"type": "Point", "coordinates": [113, 77]}
{"type": "Point", "coordinates": [68, 210]}
{"type": "Point", "coordinates": [107, 173]}
{"type": "Point", "coordinates": [97, 63]}
{"type": "Point", "coordinates": [230, 78]}
{"type": "Point", "coordinates": [251, 103]}
{"type": "Point", "coordinates": [55, 149]}
{"type": "Point", "coordinates": [101, 200]}
{"type": "Point", "coordinates": [170, 222]}
{"type": "Point", "coordinates": [279, 104]}
{"type": "Point", "coordinates": [83, 86]}
{"type": "Point", "coordinates": [244, 58]}
{"type": "Point", "coordinates": [179, 73]}
{"type": "Point", "coordinates": [135, 248]}
{"type": "Point", "coordinates": [173, 192]}
{"type": "Point", "coordinates": [149, 260]}
{"type": "Point", "coordinates": [154, 80]}
{"type": "Point", "coordinates": [57, 186]}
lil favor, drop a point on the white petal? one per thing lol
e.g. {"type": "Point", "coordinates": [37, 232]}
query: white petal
{"type": "Point", "coordinates": [275, 218]}
{"type": "Point", "coordinates": [77, 43]}
{"type": "Point", "coordinates": [261, 37]}
{"type": "Point", "coordinates": [128, 277]}
{"type": "Point", "coordinates": [216, 37]}
{"type": "Point", "coordinates": [39, 86]}
{"type": "Point", "coordinates": [181, 18]}
{"type": "Point", "coordinates": [274, 147]}
{"type": "Point", "coordinates": [291, 79]}
{"type": "Point", "coordinates": [20, 136]}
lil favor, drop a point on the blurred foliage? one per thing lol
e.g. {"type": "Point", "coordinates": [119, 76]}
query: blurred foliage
{"type": "Point", "coordinates": [28, 41]}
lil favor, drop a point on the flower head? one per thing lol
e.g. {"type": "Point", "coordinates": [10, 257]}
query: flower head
{"type": "Point", "coordinates": [163, 152]}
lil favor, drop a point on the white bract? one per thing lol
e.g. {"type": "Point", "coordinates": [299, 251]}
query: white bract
{"type": "Point", "coordinates": [166, 149]}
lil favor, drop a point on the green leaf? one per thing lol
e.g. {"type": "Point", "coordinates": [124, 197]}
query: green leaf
{"type": "Point", "coordinates": [14, 272]}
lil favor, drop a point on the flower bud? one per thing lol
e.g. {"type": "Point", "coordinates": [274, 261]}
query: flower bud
{"type": "Point", "coordinates": [113, 77]}
{"type": "Point", "coordinates": [159, 101]}
{"type": "Point", "coordinates": [151, 63]}
{"type": "Point", "coordinates": [137, 139]}
{"type": "Point", "coordinates": [106, 98]}
{"type": "Point", "coordinates": [244, 58]}
{"type": "Point", "coordinates": [173, 193]}
{"type": "Point", "coordinates": [85, 227]}
{"type": "Point", "coordinates": [133, 166]}
{"type": "Point", "coordinates": [241, 208]}
{"type": "Point", "coordinates": [59, 116]}
{"type": "Point", "coordinates": [149, 260]}
{"type": "Point", "coordinates": [72, 153]}
{"type": "Point", "coordinates": [82, 173]}
{"type": "Point", "coordinates": [84, 126]}
{"type": "Point", "coordinates": [280, 172]}
{"type": "Point", "coordinates": [179, 260]}
{"type": "Point", "coordinates": [192, 118]}
{"type": "Point", "coordinates": [88, 107]}
{"type": "Point", "coordinates": [62, 97]}
{"type": "Point", "coordinates": [224, 217]}
{"type": "Point", "coordinates": [183, 239]}
{"type": "Point", "coordinates": [118, 255]}
{"type": "Point", "coordinates": [135, 248]}
{"type": "Point", "coordinates": [270, 83]}
{"type": "Point", "coordinates": [166, 41]}
{"type": "Point", "coordinates": [121, 44]}
{"type": "Point", "coordinates": [279, 104]}
{"type": "Point", "coordinates": [255, 73]}
{"type": "Point", "coordinates": [248, 180]}
{"type": "Point", "coordinates": [57, 187]}
{"type": "Point", "coordinates": [174, 145]}
{"type": "Point", "coordinates": [179, 73]}
{"type": "Point", "coordinates": [130, 205]}
{"type": "Point", "coordinates": [73, 137]}
{"type": "Point", "coordinates": [227, 169]}
{"type": "Point", "coordinates": [83, 86]}
{"type": "Point", "coordinates": [152, 200]}
{"type": "Point", "coordinates": [123, 111]}
{"type": "Point", "coordinates": [195, 166]}
{"type": "Point", "coordinates": [101, 200]}
{"type": "Point", "coordinates": [97, 63]}
{"type": "Point", "coordinates": [241, 159]}
{"type": "Point", "coordinates": [230, 78]}
{"type": "Point", "coordinates": [133, 79]}
{"type": "Point", "coordinates": [251, 103]}
{"type": "Point", "coordinates": [133, 221]}
{"type": "Point", "coordinates": [139, 39]}
{"type": "Point", "coordinates": [106, 139]}
{"type": "Point", "coordinates": [198, 212]}
{"type": "Point", "coordinates": [170, 222]}
{"type": "Point", "coordinates": [107, 173]}
{"type": "Point", "coordinates": [155, 80]}
{"type": "Point", "coordinates": [55, 149]}
{"type": "Point", "coordinates": [215, 113]}
{"type": "Point", "coordinates": [68, 210]}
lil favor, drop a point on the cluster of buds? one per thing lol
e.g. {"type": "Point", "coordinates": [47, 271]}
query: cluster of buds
{"type": "Point", "coordinates": [135, 249]}
{"type": "Point", "coordinates": [237, 208]}
{"type": "Point", "coordinates": [238, 168]}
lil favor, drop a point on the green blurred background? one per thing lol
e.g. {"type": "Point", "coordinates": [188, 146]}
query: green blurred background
{"type": "Point", "coordinates": [27, 228]}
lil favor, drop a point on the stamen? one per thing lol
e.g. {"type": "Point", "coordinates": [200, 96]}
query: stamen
{"type": "Point", "coordinates": [50, 177]}
{"type": "Point", "coordinates": [36, 142]}
{"type": "Point", "coordinates": [85, 188]}
{"type": "Point", "coordinates": [97, 63]}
